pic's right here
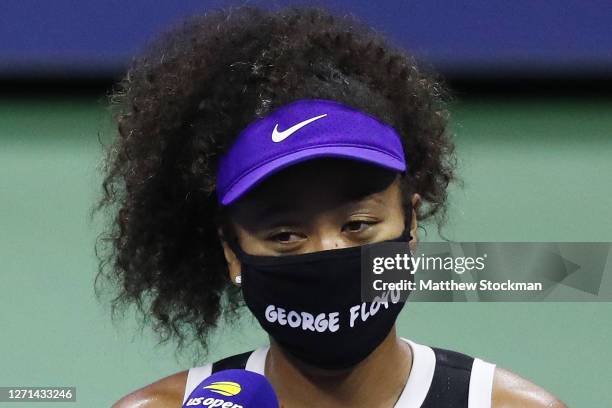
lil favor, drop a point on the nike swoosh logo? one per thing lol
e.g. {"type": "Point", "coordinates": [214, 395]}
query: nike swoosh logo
{"type": "Point", "coordinates": [280, 136]}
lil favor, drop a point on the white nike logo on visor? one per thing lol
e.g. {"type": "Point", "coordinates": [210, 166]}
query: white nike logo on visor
{"type": "Point", "coordinates": [280, 136]}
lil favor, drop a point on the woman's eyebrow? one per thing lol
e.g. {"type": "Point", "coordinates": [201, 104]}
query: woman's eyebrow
{"type": "Point", "coordinates": [274, 214]}
{"type": "Point", "coordinates": [375, 198]}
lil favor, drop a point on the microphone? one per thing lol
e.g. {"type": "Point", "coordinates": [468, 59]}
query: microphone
{"type": "Point", "coordinates": [233, 389]}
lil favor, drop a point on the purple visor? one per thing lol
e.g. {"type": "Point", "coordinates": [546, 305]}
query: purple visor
{"type": "Point", "coordinates": [300, 131]}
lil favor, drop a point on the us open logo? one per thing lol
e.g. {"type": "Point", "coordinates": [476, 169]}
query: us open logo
{"type": "Point", "coordinates": [226, 388]}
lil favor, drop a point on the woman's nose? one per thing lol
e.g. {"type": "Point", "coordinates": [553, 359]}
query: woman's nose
{"type": "Point", "coordinates": [330, 241]}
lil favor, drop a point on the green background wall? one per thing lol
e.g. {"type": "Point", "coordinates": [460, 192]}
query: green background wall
{"type": "Point", "coordinates": [535, 169]}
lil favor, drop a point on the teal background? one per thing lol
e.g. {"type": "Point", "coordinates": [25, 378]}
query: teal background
{"type": "Point", "coordinates": [535, 169]}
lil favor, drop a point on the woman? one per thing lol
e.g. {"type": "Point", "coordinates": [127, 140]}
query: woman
{"type": "Point", "coordinates": [257, 152]}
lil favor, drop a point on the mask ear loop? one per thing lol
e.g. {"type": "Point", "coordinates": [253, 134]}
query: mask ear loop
{"type": "Point", "coordinates": [408, 222]}
{"type": "Point", "coordinates": [232, 241]}
{"type": "Point", "coordinates": [235, 247]}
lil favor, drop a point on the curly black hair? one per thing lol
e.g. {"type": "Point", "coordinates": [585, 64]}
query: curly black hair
{"type": "Point", "coordinates": [178, 109]}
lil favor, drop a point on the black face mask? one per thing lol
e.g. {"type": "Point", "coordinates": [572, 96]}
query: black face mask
{"type": "Point", "coordinates": [311, 304]}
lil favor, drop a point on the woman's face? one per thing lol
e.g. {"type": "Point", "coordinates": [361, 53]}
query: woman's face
{"type": "Point", "coordinates": [319, 205]}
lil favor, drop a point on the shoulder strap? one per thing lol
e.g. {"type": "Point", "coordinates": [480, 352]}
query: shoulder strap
{"type": "Point", "coordinates": [237, 361]}
{"type": "Point", "coordinates": [451, 381]}
{"type": "Point", "coordinates": [481, 384]}
{"type": "Point", "coordinates": [197, 374]}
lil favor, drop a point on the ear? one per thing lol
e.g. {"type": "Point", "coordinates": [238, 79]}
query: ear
{"type": "Point", "coordinates": [416, 203]}
{"type": "Point", "coordinates": [233, 264]}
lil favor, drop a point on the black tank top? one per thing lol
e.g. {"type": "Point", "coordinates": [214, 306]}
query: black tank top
{"type": "Point", "coordinates": [439, 378]}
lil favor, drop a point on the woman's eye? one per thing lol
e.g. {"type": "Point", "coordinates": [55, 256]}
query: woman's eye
{"type": "Point", "coordinates": [286, 237]}
{"type": "Point", "coordinates": [356, 226]}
